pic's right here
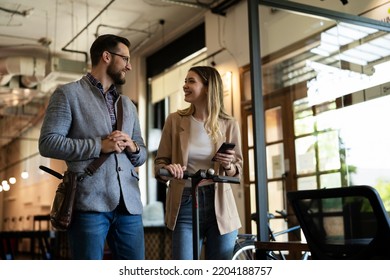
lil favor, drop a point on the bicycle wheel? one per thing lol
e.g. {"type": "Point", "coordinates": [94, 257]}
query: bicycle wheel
{"type": "Point", "coordinates": [244, 250]}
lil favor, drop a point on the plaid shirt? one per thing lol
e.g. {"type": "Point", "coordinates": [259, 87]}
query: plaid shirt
{"type": "Point", "coordinates": [110, 97]}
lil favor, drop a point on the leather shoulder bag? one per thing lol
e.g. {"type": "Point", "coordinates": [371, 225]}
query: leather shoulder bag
{"type": "Point", "coordinates": [62, 206]}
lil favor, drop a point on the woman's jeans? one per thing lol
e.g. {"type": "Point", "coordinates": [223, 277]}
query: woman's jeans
{"type": "Point", "coordinates": [217, 247]}
{"type": "Point", "coordinates": [90, 230]}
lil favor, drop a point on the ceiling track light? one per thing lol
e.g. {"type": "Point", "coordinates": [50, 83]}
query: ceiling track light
{"type": "Point", "coordinates": [344, 2]}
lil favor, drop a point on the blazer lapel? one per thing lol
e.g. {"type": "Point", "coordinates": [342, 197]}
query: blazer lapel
{"type": "Point", "coordinates": [222, 125]}
{"type": "Point", "coordinates": [185, 126]}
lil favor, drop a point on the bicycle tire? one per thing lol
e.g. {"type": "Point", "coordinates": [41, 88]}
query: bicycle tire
{"type": "Point", "coordinates": [244, 250]}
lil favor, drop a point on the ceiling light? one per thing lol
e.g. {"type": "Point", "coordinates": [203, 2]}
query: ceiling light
{"type": "Point", "coordinates": [24, 175]}
{"type": "Point", "coordinates": [5, 185]}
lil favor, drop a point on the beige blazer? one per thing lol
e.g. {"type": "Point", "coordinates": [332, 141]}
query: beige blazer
{"type": "Point", "coordinates": [173, 148]}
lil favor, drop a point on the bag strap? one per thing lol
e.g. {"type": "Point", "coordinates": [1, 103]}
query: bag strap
{"type": "Point", "coordinates": [93, 166]}
{"type": "Point", "coordinates": [119, 121]}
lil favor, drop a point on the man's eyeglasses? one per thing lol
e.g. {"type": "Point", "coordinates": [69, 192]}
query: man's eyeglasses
{"type": "Point", "coordinates": [125, 58]}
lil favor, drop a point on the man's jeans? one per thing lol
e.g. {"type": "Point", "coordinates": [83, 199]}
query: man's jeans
{"type": "Point", "coordinates": [217, 247]}
{"type": "Point", "coordinates": [124, 233]}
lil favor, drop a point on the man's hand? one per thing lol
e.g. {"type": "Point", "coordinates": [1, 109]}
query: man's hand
{"type": "Point", "coordinates": [118, 141]}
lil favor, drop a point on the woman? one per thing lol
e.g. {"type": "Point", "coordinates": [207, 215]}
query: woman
{"type": "Point", "coordinates": [190, 139]}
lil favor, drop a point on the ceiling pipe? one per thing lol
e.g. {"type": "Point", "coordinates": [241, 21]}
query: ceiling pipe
{"type": "Point", "coordinates": [221, 8]}
{"type": "Point", "coordinates": [24, 13]}
{"type": "Point", "coordinates": [120, 28]}
{"type": "Point", "coordinates": [82, 30]}
{"type": "Point", "coordinates": [134, 48]}
{"type": "Point", "coordinates": [188, 4]}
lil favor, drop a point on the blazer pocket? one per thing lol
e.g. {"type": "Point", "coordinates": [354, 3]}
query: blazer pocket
{"type": "Point", "coordinates": [135, 174]}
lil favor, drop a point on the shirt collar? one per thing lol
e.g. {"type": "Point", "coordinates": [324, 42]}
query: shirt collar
{"type": "Point", "coordinates": [95, 82]}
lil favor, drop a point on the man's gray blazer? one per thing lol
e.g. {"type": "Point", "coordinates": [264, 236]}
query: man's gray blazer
{"type": "Point", "coordinates": [76, 120]}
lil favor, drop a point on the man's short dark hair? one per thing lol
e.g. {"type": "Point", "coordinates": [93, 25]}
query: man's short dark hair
{"type": "Point", "coordinates": [107, 42]}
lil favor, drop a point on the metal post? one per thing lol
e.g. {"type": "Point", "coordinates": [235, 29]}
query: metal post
{"type": "Point", "coordinates": [195, 218]}
{"type": "Point", "coordinates": [258, 121]}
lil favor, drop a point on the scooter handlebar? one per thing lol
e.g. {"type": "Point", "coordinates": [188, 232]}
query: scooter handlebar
{"type": "Point", "coordinates": [205, 174]}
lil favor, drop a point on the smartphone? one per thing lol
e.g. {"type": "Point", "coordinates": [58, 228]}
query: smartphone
{"type": "Point", "coordinates": [224, 147]}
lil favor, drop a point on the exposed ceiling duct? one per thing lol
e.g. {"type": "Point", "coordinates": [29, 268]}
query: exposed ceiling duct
{"type": "Point", "coordinates": [62, 71]}
{"type": "Point", "coordinates": [19, 77]}
{"type": "Point", "coordinates": [22, 78]}
{"type": "Point", "coordinates": [34, 70]}
{"type": "Point", "coordinates": [25, 84]}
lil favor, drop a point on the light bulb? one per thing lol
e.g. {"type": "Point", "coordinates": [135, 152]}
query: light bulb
{"type": "Point", "coordinates": [24, 175]}
{"type": "Point", "coordinates": [6, 188]}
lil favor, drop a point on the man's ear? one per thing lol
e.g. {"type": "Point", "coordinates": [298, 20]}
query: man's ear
{"type": "Point", "coordinates": [106, 56]}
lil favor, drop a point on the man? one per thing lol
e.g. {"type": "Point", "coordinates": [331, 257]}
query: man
{"type": "Point", "coordinates": [79, 125]}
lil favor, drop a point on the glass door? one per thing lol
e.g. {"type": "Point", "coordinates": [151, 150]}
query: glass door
{"type": "Point", "coordinates": [325, 87]}
{"type": "Point", "coordinates": [280, 152]}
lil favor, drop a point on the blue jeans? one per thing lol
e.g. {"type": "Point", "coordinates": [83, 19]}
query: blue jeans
{"type": "Point", "coordinates": [90, 230]}
{"type": "Point", "coordinates": [217, 246]}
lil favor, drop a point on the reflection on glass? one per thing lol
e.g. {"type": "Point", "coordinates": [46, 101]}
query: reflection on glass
{"type": "Point", "coordinates": [247, 86]}
{"type": "Point", "coordinates": [338, 140]}
{"type": "Point", "coordinates": [303, 117]}
{"type": "Point", "coordinates": [250, 130]}
{"type": "Point", "coordinates": [328, 150]}
{"type": "Point", "coordinates": [252, 190]}
{"type": "Point", "coordinates": [307, 183]}
{"type": "Point", "coordinates": [273, 123]}
{"type": "Point", "coordinates": [329, 119]}
{"type": "Point", "coordinates": [304, 126]}
{"type": "Point", "coordinates": [305, 155]}
{"type": "Point", "coordinates": [276, 203]}
{"type": "Point", "coordinates": [331, 180]}
{"type": "Point", "coordinates": [275, 197]}
{"type": "Point", "coordinates": [275, 161]}
{"type": "Point", "coordinates": [251, 156]}
{"type": "Point", "coordinates": [366, 142]}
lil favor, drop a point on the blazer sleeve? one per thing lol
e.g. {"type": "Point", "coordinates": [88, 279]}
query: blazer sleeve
{"type": "Point", "coordinates": [164, 151]}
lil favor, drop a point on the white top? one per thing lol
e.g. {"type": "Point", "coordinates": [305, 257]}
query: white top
{"type": "Point", "coordinates": [200, 149]}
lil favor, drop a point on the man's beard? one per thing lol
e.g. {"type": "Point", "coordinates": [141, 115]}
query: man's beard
{"type": "Point", "coordinates": [116, 76]}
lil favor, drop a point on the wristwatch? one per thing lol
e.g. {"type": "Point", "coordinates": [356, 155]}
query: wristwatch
{"type": "Point", "coordinates": [137, 148]}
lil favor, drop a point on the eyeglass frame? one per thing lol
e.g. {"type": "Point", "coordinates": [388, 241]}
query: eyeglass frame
{"type": "Point", "coordinates": [124, 57]}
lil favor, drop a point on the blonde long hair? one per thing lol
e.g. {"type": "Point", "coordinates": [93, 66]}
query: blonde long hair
{"type": "Point", "coordinates": [215, 107]}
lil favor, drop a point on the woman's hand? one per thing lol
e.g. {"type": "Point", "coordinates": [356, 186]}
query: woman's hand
{"type": "Point", "coordinates": [226, 159]}
{"type": "Point", "coordinates": [176, 170]}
